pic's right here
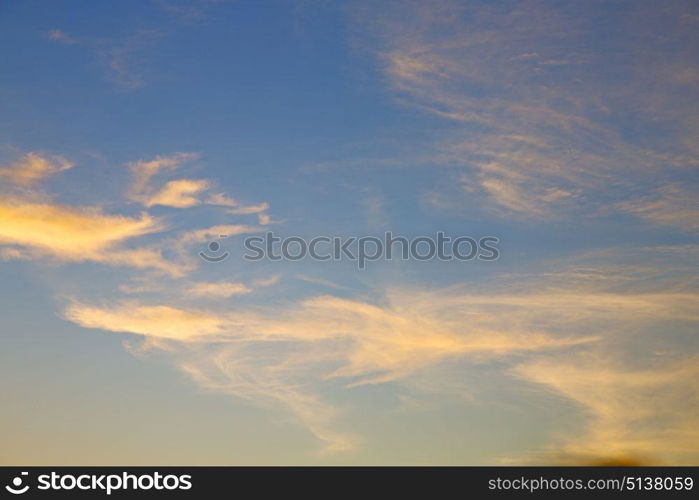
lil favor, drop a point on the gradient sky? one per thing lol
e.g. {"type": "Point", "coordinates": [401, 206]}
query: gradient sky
{"type": "Point", "coordinates": [134, 133]}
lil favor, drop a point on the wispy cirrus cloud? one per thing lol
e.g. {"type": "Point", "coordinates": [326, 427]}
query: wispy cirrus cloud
{"type": "Point", "coordinates": [183, 193]}
{"type": "Point", "coordinates": [536, 112]}
{"type": "Point", "coordinates": [221, 199]}
{"type": "Point", "coordinates": [143, 171]}
{"type": "Point", "coordinates": [675, 205]}
{"type": "Point", "coordinates": [121, 58]}
{"type": "Point", "coordinates": [643, 415]}
{"type": "Point", "coordinates": [212, 233]}
{"type": "Point", "coordinates": [223, 289]}
{"type": "Point", "coordinates": [249, 209]}
{"type": "Point", "coordinates": [160, 321]}
{"type": "Point", "coordinates": [260, 210]}
{"type": "Point", "coordinates": [32, 168]}
{"type": "Point", "coordinates": [255, 373]}
{"type": "Point", "coordinates": [280, 359]}
{"type": "Point", "coordinates": [61, 36]}
{"type": "Point", "coordinates": [545, 111]}
{"type": "Point", "coordinates": [33, 226]}
{"type": "Point", "coordinates": [127, 59]}
{"type": "Point", "coordinates": [533, 328]}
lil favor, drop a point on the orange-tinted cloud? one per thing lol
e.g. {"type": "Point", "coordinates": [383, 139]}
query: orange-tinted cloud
{"type": "Point", "coordinates": [32, 168]}
{"type": "Point", "coordinates": [31, 230]}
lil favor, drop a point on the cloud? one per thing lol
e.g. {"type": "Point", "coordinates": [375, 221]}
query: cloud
{"type": "Point", "coordinates": [206, 349]}
{"type": "Point", "coordinates": [143, 171]}
{"type": "Point", "coordinates": [673, 205]}
{"type": "Point", "coordinates": [537, 122]}
{"type": "Point", "coordinates": [249, 209]}
{"type": "Point", "coordinates": [567, 331]}
{"type": "Point", "coordinates": [180, 193]}
{"type": "Point", "coordinates": [158, 321]}
{"type": "Point", "coordinates": [509, 195]}
{"type": "Point", "coordinates": [278, 360]}
{"type": "Point", "coordinates": [182, 243]}
{"type": "Point", "coordinates": [635, 387]}
{"type": "Point", "coordinates": [330, 338]}
{"type": "Point", "coordinates": [77, 234]}
{"type": "Point", "coordinates": [32, 168]}
{"type": "Point", "coordinates": [536, 117]}
{"type": "Point", "coordinates": [221, 199]}
{"type": "Point", "coordinates": [68, 231]}
{"type": "Point", "coordinates": [243, 371]}
{"type": "Point", "coordinates": [262, 218]}
{"type": "Point", "coordinates": [221, 289]}
{"type": "Point", "coordinates": [60, 36]}
{"type": "Point", "coordinates": [125, 58]}
{"type": "Point", "coordinates": [32, 230]}
{"type": "Point", "coordinates": [213, 233]}
{"type": "Point", "coordinates": [270, 281]}
{"type": "Point", "coordinates": [642, 415]}
{"type": "Point", "coordinates": [122, 58]}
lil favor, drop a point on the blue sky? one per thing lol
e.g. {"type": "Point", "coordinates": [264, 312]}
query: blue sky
{"type": "Point", "coordinates": [134, 133]}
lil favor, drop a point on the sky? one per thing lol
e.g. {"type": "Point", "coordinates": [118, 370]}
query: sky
{"type": "Point", "coordinates": [133, 134]}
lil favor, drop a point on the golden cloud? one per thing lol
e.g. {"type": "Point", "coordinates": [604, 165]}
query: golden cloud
{"type": "Point", "coordinates": [221, 289]}
{"type": "Point", "coordinates": [144, 170]}
{"type": "Point", "coordinates": [565, 332]}
{"type": "Point", "coordinates": [181, 193]}
{"type": "Point", "coordinates": [32, 230]}
{"type": "Point", "coordinates": [32, 168]}
{"type": "Point", "coordinates": [159, 321]}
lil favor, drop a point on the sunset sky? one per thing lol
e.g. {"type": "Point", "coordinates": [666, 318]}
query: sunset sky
{"type": "Point", "coordinates": [134, 133]}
